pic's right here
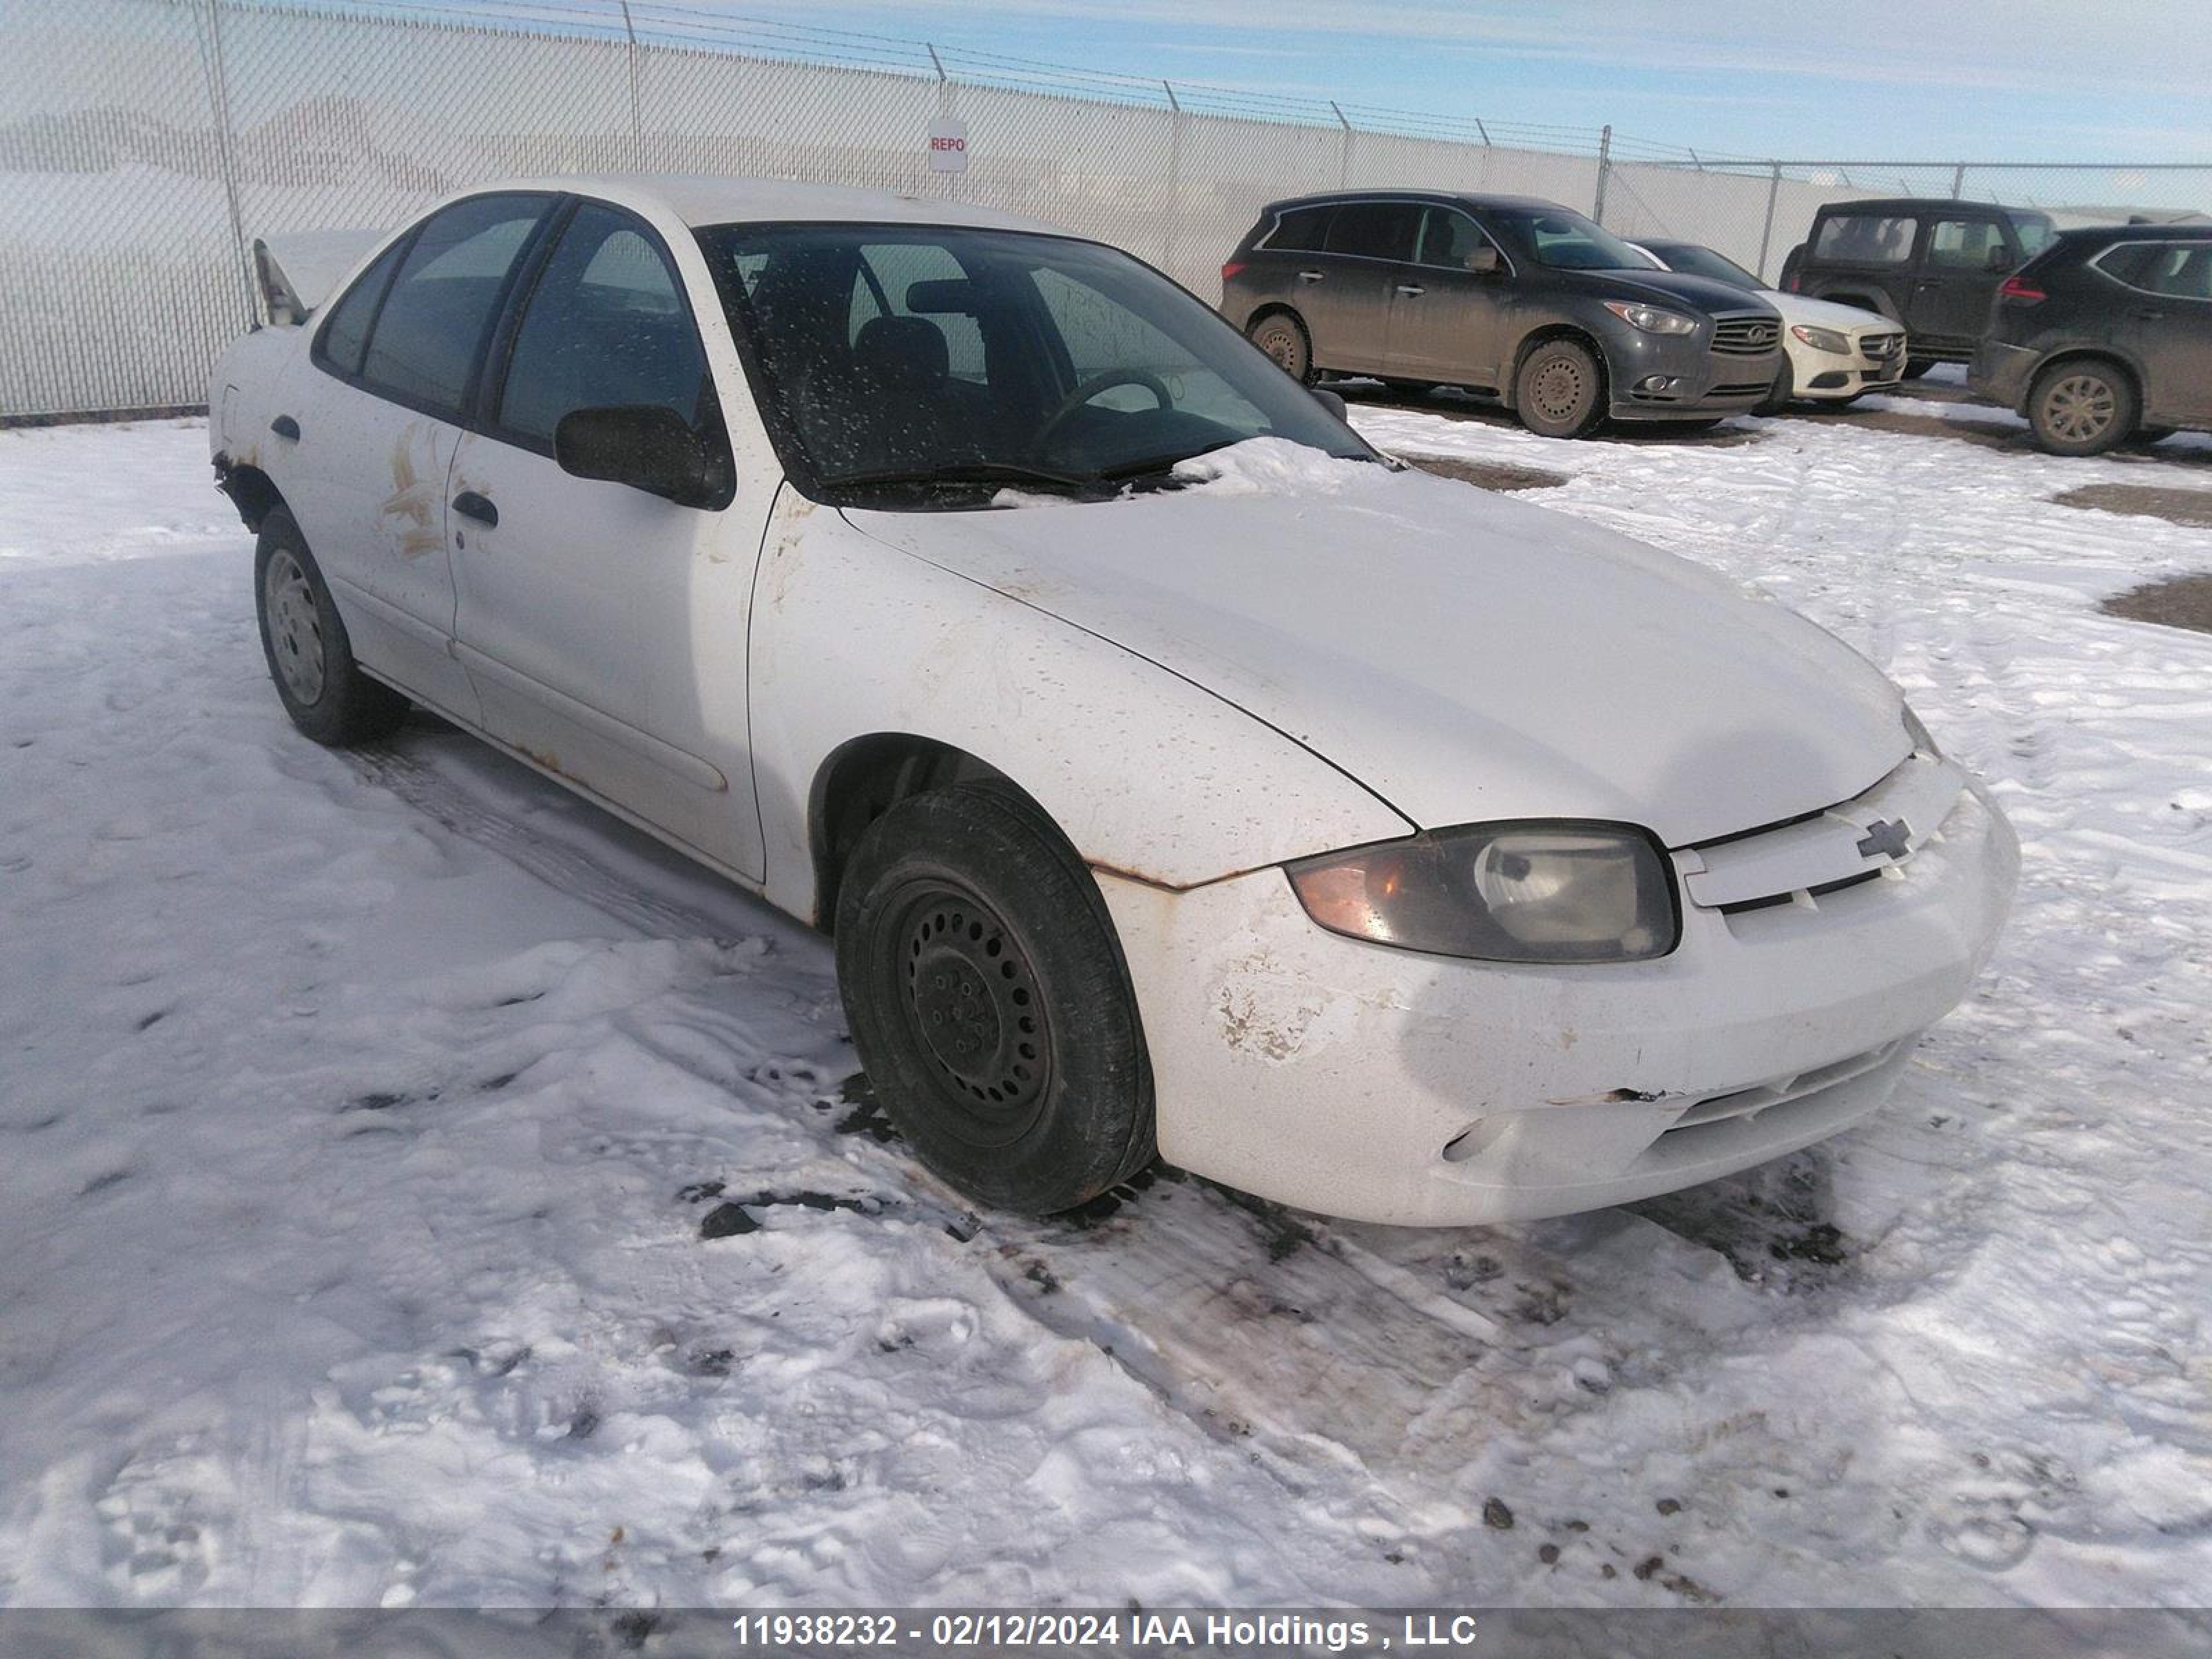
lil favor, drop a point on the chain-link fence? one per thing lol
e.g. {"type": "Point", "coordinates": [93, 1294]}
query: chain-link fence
{"type": "Point", "coordinates": [144, 142]}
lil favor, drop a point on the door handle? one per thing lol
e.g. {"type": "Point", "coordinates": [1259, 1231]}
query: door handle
{"type": "Point", "coordinates": [286, 428]}
{"type": "Point", "coordinates": [1311, 275]}
{"type": "Point", "coordinates": [470, 505]}
{"type": "Point", "coordinates": [1409, 289]}
{"type": "Point", "coordinates": [2150, 316]}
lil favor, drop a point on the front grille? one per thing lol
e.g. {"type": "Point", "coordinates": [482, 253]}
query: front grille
{"type": "Point", "coordinates": [1745, 336]}
{"type": "Point", "coordinates": [1781, 1091]}
{"type": "Point", "coordinates": [1880, 347]}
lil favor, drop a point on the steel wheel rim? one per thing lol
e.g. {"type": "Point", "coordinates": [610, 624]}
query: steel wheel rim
{"type": "Point", "coordinates": [2081, 407]}
{"type": "Point", "coordinates": [296, 627]}
{"type": "Point", "coordinates": [975, 1010]}
{"type": "Point", "coordinates": [1558, 389]}
{"type": "Point", "coordinates": [1281, 345]}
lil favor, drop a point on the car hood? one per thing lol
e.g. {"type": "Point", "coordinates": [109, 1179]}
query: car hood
{"type": "Point", "coordinates": [1824, 314]}
{"type": "Point", "coordinates": [1465, 656]}
{"type": "Point", "coordinates": [1674, 288]}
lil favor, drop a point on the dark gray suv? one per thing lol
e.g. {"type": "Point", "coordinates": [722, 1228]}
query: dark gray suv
{"type": "Point", "coordinates": [1523, 300]}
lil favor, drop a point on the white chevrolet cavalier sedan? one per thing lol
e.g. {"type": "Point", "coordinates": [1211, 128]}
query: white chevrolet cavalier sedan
{"type": "Point", "coordinates": [1175, 773]}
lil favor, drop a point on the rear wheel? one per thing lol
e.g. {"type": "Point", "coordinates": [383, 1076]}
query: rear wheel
{"type": "Point", "coordinates": [310, 658]}
{"type": "Point", "coordinates": [1560, 390]}
{"type": "Point", "coordinates": [989, 999]}
{"type": "Point", "coordinates": [1284, 338]}
{"type": "Point", "coordinates": [2082, 408]}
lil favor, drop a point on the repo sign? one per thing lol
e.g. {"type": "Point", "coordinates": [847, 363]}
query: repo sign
{"type": "Point", "coordinates": [948, 145]}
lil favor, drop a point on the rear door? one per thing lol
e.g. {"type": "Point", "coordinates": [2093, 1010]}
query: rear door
{"type": "Point", "coordinates": [1344, 293]}
{"type": "Point", "coordinates": [604, 628]}
{"type": "Point", "coordinates": [1865, 256]}
{"type": "Point", "coordinates": [2169, 325]}
{"type": "Point", "coordinates": [1963, 258]}
{"type": "Point", "coordinates": [377, 421]}
{"type": "Point", "coordinates": [1448, 322]}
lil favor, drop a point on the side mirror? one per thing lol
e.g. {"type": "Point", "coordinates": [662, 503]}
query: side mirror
{"type": "Point", "coordinates": [648, 447]}
{"type": "Point", "coordinates": [1329, 401]}
{"type": "Point", "coordinates": [1483, 261]}
{"type": "Point", "coordinates": [1999, 261]}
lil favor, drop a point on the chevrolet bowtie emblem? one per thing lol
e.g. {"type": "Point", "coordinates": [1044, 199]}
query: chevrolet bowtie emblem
{"type": "Point", "coordinates": [1890, 835]}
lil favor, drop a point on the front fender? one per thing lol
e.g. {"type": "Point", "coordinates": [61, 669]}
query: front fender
{"type": "Point", "coordinates": [1149, 776]}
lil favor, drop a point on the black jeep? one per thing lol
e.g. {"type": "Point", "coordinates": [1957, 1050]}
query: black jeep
{"type": "Point", "coordinates": [1932, 266]}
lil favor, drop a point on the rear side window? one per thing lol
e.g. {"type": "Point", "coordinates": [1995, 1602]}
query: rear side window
{"type": "Point", "coordinates": [1375, 230]}
{"type": "Point", "coordinates": [1866, 239]}
{"type": "Point", "coordinates": [433, 320]}
{"type": "Point", "coordinates": [607, 325]}
{"type": "Point", "coordinates": [2178, 269]}
{"type": "Point", "coordinates": [343, 337]}
{"type": "Point", "coordinates": [1301, 230]}
{"type": "Point", "coordinates": [1963, 244]}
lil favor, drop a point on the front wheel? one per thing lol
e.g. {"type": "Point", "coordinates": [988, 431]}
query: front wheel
{"type": "Point", "coordinates": [987, 998]}
{"type": "Point", "coordinates": [1779, 394]}
{"type": "Point", "coordinates": [310, 658]}
{"type": "Point", "coordinates": [1916, 366]}
{"type": "Point", "coordinates": [2082, 408]}
{"type": "Point", "coordinates": [1284, 339]}
{"type": "Point", "coordinates": [1560, 390]}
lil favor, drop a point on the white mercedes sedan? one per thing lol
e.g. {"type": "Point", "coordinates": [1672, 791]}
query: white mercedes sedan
{"type": "Point", "coordinates": [1177, 775]}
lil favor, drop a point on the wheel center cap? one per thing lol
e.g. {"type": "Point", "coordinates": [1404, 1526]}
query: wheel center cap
{"type": "Point", "coordinates": [958, 1019]}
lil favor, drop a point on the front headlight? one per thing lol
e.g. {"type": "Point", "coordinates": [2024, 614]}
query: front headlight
{"type": "Point", "coordinates": [1501, 892]}
{"type": "Point", "coordinates": [1822, 339]}
{"type": "Point", "coordinates": [1650, 318]}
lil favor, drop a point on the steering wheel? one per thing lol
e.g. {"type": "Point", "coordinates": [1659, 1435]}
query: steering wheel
{"type": "Point", "coordinates": [1091, 388]}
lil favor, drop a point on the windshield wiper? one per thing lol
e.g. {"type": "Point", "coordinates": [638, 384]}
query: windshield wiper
{"type": "Point", "coordinates": [966, 472]}
{"type": "Point", "coordinates": [1162, 464]}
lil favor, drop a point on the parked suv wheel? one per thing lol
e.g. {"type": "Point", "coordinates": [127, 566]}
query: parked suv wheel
{"type": "Point", "coordinates": [2083, 407]}
{"type": "Point", "coordinates": [1283, 338]}
{"type": "Point", "coordinates": [310, 658]}
{"type": "Point", "coordinates": [989, 999]}
{"type": "Point", "coordinates": [1560, 390]}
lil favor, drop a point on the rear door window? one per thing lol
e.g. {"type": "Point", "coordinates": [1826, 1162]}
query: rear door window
{"type": "Point", "coordinates": [432, 322]}
{"type": "Point", "coordinates": [339, 346]}
{"type": "Point", "coordinates": [1866, 239]}
{"type": "Point", "coordinates": [1376, 230]}
{"type": "Point", "coordinates": [2179, 270]}
{"type": "Point", "coordinates": [1963, 244]}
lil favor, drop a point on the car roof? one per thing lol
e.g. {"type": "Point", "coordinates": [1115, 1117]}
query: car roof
{"type": "Point", "coordinates": [1924, 203]}
{"type": "Point", "coordinates": [1460, 198]}
{"type": "Point", "coordinates": [719, 199]}
{"type": "Point", "coordinates": [2183, 231]}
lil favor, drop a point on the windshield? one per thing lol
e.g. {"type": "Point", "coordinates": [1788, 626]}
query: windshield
{"type": "Point", "coordinates": [1696, 261]}
{"type": "Point", "coordinates": [1563, 240]}
{"type": "Point", "coordinates": [927, 361]}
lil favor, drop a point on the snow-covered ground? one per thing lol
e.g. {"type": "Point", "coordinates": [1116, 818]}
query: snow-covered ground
{"type": "Point", "coordinates": [358, 1116]}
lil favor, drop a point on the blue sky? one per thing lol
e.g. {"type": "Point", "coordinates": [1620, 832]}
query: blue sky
{"type": "Point", "coordinates": [1994, 80]}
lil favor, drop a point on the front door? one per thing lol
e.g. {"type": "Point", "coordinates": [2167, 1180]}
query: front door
{"type": "Point", "coordinates": [1962, 260]}
{"type": "Point", "coordinates": [603, 628]}
{"type": "Point", "coordinates": [1448, 322]}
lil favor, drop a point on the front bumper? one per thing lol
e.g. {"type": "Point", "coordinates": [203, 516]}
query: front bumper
{"type": "Point", "coordinates": [1817, 374]}
{"type": "Point", "coordinates": [1662, 377]}
{"type": "Point", "coordinates": [2001, 373]}
{"type": "Point", "coordinates": [1384, 1085]}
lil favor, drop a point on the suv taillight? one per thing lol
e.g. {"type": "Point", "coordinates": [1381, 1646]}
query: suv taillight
{"type": "Point", "coordinates": [2017, 288]}
{"type": "Point", "coordinates": [1232, 268]}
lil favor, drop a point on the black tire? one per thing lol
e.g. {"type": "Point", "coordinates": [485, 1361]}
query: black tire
{"type": "Point", "coordinates": [1779, 394]}
{"type": "Point", "coordinates": [304, 640]}
{"type": "Point", "coordinates": [1916, 366]}
{"type": "Point", "coordinates": [2083, 406]}
{"type": "Point", "coordinates": [1283, 337]}
{"type": "Point", "coordinates": [1410, 388]}
{"type": "Point", "coordinates": [964, 913]}
{"type": "Point", "coordinates": [1559, 391]}
{"type": "Point", "coordinates": [2152, 435]}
